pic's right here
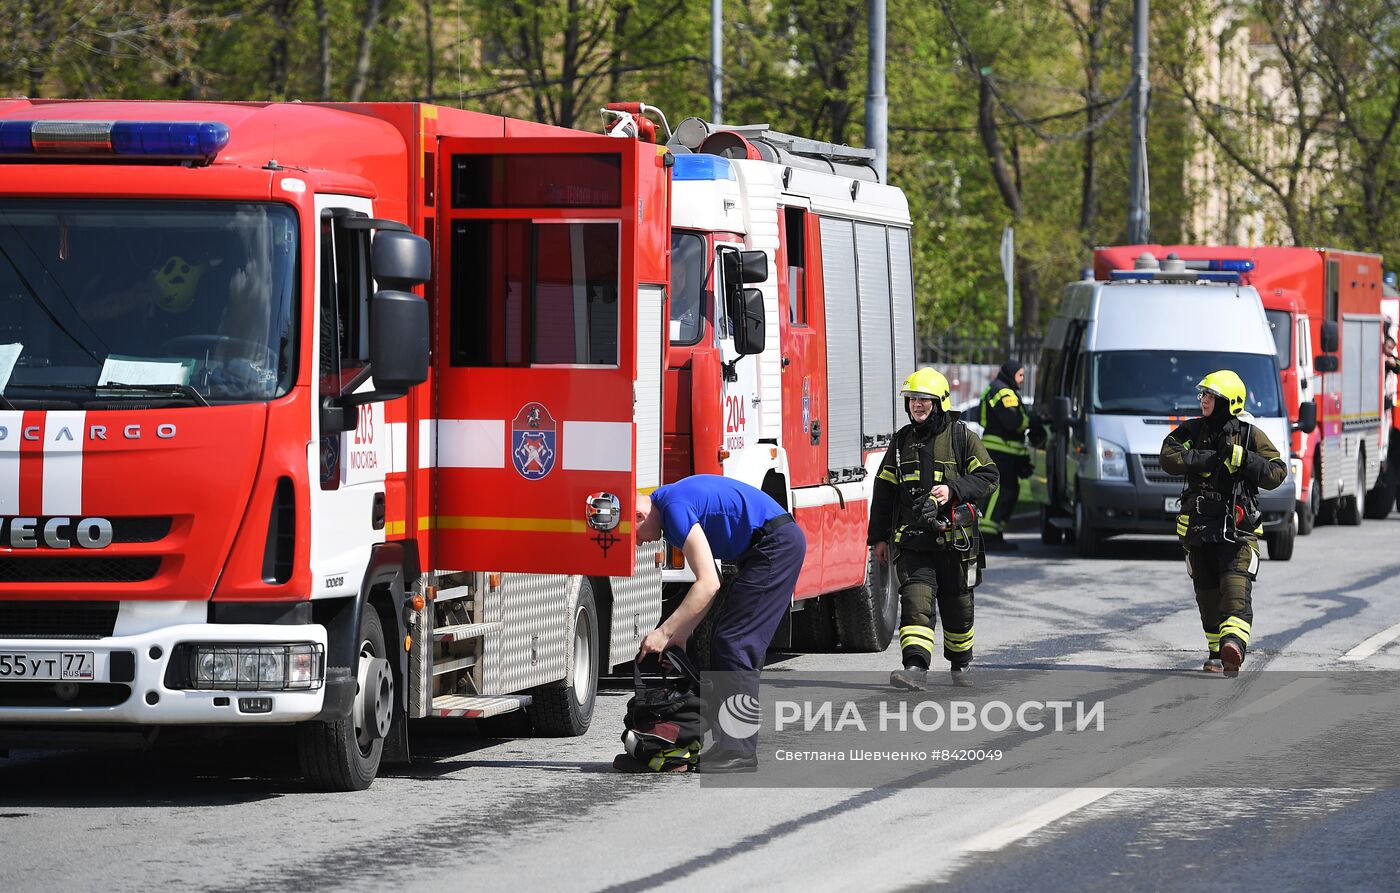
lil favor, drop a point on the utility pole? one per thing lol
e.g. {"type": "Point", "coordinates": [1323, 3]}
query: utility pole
{"type": "Point", "coordinates": [877, 118]}
{"type": "Point", "coordinates": [1139, 205]}
{"type": "Point", "coordinates": [716, 61]}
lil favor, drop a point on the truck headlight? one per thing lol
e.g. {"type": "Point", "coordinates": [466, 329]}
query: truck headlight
{"type": "Point", "coordinates": [1113, 461]}
{"type": "Point", "coordinates": [239, 666]}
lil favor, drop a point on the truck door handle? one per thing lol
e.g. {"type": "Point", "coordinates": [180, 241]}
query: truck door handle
{"type": "Point", "coordinates": [816, 432]}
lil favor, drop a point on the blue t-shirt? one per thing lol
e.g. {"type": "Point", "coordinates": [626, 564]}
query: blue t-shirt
{"type": "Point", "coordinates": [728, 511]}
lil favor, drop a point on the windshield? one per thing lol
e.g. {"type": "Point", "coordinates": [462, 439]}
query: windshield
{"type": "Point", "coordinates": [1163, 382]}
{"type": "Point", "coordinates": [687, 287]}
{"type": "Point", "coordinates": [103, 302]}
{"type": "Point", "coordinates": [1282, 327]}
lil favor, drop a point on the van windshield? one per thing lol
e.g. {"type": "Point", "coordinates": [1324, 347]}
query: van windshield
{"type": "Point", "coordinates": [1163, 382]}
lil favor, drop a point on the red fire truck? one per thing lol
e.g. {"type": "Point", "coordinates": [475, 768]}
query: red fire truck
{"type": "Point", "coordinates": [1329, 299]}
{"type": "Point", "coordinates": [234, 490]}
{"type": "Point", "coordinates": [790, 385]}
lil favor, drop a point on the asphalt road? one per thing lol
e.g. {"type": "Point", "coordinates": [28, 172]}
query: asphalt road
{"type": "Point", "coordinates": [526, 813]}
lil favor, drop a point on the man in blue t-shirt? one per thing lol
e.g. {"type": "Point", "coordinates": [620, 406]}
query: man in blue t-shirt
{"type": "Point", "coordinates": [715, 518]}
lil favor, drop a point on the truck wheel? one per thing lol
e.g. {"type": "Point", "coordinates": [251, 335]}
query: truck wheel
{"type": "Point", "coordinates": [1281, 542]}
{"type": "Point", "coordinates": [1050, 535]}
{"type": "Point", "coordinates": [344, 755]}
{"type": "Point", "coordinates": [1308, 508]}
{"type": "Point", "coordinates": [1381, 497]}
{"type": "Point", "coordinates": [1349, 507]}
{"type": "Point", "coordinates": [866, 615]}
{"type": "Point", "coordinates": [565, 708]}
{"type": "Point", "coordinates": [1087, 539]}
{"type": "Point", "coordinates": [814, 627]}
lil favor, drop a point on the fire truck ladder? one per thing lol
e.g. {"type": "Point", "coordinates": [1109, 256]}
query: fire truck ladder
{"type": "Point", "coordinates": [445, 658]}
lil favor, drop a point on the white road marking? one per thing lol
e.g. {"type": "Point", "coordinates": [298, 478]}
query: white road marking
{"type": "Point", "coordinates": [1373, 644]}
{"type": "Point", "coordinates": [1061, 806]}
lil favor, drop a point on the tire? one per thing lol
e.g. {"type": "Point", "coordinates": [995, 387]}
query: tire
{"type": "Point", "coordinates": [1050, 535]}
{"type": "Point", "coordinates": [1281, 542]}
{"type": "Point", "coordinates": [564, 709]}
{"type": "Point", "coordinates": [1308, 508]}
{"type": "Point", "coordinates": [867, 615]}
{"type": "Point", "coordinates": [1324, 510]}
{"type": "Point", "coordinates": [344, 755]}
{"type": "Point", "coordinates": [814, 627]}
{"type": "Point", "coordinates": [1381, 497]}
{"type": "Point", "coordinates": [1349, 507]}
{"type": "Point", "coordinates": [1088, 541]}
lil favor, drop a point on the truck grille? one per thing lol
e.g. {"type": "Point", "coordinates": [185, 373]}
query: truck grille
{"type": "Point", "coordinates": [57, 620]}
{"type": "Point", "coordinates": [78, 570]}
{"type": "Point", "coordinates": [1152, 471]}
{"type": "Point", "coordinates": [140, 530]}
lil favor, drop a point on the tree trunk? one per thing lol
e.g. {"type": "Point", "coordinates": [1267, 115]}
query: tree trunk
{"type": "Point", "coordinates": [323, 37]}
{"type": "Point", "coordinates": [282, 26]}
{"type": "Point", "coordinates": [365, 49]}
{"type": "Point", "coordinates": [429, 38]}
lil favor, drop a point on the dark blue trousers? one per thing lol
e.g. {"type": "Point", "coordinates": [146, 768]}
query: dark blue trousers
{"type": "Point", "coordinates": [757, 598]}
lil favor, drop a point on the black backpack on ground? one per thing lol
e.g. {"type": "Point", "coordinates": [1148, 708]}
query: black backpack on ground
{"type": "Point", "coordinates": [666, 720]}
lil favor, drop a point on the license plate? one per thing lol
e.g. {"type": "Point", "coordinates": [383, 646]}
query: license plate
{"type": "Point", "coordinates": [46, 666]}
{"type": "Point", "coordinates": [1171, 504]}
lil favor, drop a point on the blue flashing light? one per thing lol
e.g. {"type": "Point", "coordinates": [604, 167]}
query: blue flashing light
{"type": "Point", "coordinates": [14, 138]}
{"type": "Point", "coordinates": [702, 167]}
{"type": "Point", "coordinates": [1229, 277]}
{"type": "Point", "coordinates": [166, 140]}
{"type": "Point", "coordinates": [1236, 266]}
{"type": "Point", "coordinates": [161, 139]}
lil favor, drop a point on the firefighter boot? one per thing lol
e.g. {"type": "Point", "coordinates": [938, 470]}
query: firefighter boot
{"type": "Point", "coordinates": [1231, 655]}
{"type": "Point", "coordinates": [1213, 664]}
{"type": "Point", "coordinates": [910, 678]}
{"type": "Point", "coordinates": [962, 675]}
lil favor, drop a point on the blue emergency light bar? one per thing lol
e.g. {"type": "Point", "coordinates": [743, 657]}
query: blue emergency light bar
{"type": "Point", "coordinates": [702, 167]}
{"type": "Point", "coordinates": [1231, 266]}
{"type": "Point", "coordinates": [1230, 277]}
{"type": "Point", "coordinates": [198, 141]}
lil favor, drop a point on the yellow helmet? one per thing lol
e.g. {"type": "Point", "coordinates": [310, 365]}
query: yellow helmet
{"type": "Point", "coordinates": [178, 279]}
{"type": "Point", "coordinates": [1226, 385]}
{"type": "Point", "coordinates": [928, 383]}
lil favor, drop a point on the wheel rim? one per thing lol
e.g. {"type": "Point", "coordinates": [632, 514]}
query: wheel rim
{"type": "Point", "coordinates": [372, 681]}
{"type": "Point", "coordinates": [1314, 496]}
{"type": "Point", "coordinates": [581, 682]}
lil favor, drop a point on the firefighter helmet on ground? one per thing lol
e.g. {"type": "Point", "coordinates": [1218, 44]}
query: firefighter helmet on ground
{"type": "Point", "coordinates": [928, 383]}
{"type": "Point", "coordinates": [1226, 385]}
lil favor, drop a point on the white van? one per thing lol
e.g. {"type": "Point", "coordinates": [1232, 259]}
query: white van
{"type": "Point", "coordinates": [1118, 371]}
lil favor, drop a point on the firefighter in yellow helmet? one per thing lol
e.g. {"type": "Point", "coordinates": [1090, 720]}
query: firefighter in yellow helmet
{"type": "Point", "coordinates": [1226, 459]}
{"type": "Point", "coordinates": [923, 517]}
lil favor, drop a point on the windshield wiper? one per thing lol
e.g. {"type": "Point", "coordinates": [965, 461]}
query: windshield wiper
{"type": "Point", "coordinates": [170, 388]}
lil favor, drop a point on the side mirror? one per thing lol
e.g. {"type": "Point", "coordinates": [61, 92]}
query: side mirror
{"type": "Point", "coordinates": [398, 341]}
{"type": "Point", "coordinates": [1307, 417]}
{"type": "Point", "coordinates": [754, 266]}
{"type": "Point", "coordinates": [749, 323]}
{"type": "Point", "coordinates": [1331, 337]}
{"type": "Point", "coordinates": [1060, 413]}
{"type": "Point", "coordinates": [400, 260]}
{"type": "Point", "coordinates": [1326, 362]}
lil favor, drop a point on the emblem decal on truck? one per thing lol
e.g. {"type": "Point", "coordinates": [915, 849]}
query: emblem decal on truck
{"type": "Point", "coordinates": [534, 441]}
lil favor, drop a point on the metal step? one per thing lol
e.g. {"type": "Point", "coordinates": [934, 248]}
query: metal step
{"type": "Point", "coordinates": [458, 663]}
{"type": "Point", "coordinates": [464, 631]}
{"type": "Point", "coordinates": [477, 707]}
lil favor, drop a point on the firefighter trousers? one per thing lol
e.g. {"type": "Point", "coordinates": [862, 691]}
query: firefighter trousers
{"type": "Point", "coordinates": [1002, 503]}
{"type": "Point", "coordinates": [1223, 576]}
{"type": "Point", "coordinates": [934, 584]}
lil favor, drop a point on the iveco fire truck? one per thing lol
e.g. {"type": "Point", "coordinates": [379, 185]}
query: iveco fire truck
{"type": "Point", "coordinates": [1324, 306]}
{"type": "Point", "coordinates": [792, 325]}
{"type": "Point", "coordinates": [234, 488]}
